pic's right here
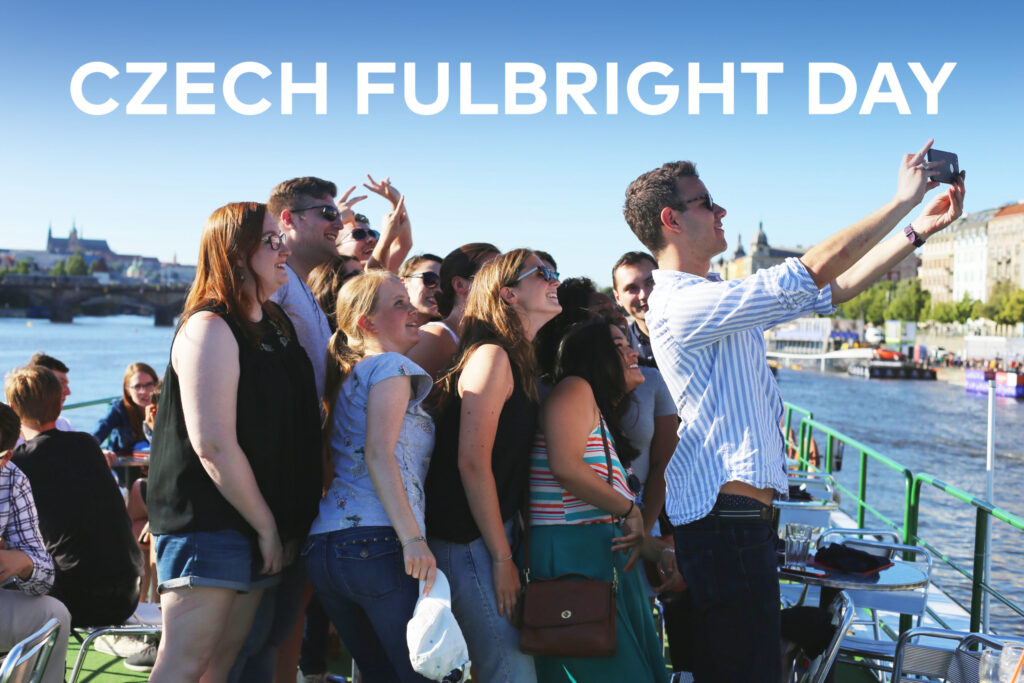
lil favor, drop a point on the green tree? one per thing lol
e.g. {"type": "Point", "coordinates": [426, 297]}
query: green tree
{"type": "Point", "coordinates": [59, 268]}
{"type": "Point", "coordinates": [908, 301]}
{"type": "Point", "coordinates": [1012, 311]}
{"type": "Point", "coordinates": [76, 264]}
{"type": "Point", "coordinates": [24, 266]}
{"type": "Point", "coordinates": [943, 312]}
{"type": "Point", "coordinates": [963, 309]}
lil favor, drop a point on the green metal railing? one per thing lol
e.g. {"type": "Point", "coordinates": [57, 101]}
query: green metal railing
{"type": "Point", "coordinates": [912, 486]}
{"type": "Point", "coordinates": [86, 404]}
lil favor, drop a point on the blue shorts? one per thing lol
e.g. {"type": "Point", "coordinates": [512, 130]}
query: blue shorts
{"type": "Point", "coordinates": [216, 559]}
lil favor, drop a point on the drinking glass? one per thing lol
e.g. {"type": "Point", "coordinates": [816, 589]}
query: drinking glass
{"type": "Point", "coordinates": [798, 544]}
{"type": "Point", "coordinates": [988, 667]}
{"type": "Point", "coordinates": [1008, 661]}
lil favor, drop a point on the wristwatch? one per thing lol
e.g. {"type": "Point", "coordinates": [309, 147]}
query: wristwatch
{"type": "Point", "coordinates": [912, 235]}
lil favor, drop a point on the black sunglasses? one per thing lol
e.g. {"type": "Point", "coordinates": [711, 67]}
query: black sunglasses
{"type": "Point", "coordinates": [273, 240]}
{"type": "Point", "coordinates": [709, 203]}
{"type": "Point", "coordinates": [360, 234]}
{"type": "Point", "coordinates": [429, 277]}
{"type": "Point", "coordinates": [542, 272]}
{"type": "Point", "coordinates": [330, 213]}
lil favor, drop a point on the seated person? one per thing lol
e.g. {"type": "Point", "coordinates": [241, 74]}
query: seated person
{"type": "Point", "coordinates": [61, 371]}
{"type": "Point", "coordinates": [82, 515]}
{"type": "Point", "coordinates": [122, 427]}
{"type": "Point", "coordinates": [26, 570]}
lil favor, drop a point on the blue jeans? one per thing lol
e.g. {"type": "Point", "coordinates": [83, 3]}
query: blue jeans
{"type": "Point", "coordinates": [493, 642]}
{"type": "Point", "coordinates": [732, 574]}
{"type": "Point", "coordinates": [359, 577]}
{"type": "Point", "coordinates": [275, 619]}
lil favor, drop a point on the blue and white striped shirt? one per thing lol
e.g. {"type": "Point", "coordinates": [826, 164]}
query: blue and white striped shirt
{"type": "Point", "coordinates": [708, 339]}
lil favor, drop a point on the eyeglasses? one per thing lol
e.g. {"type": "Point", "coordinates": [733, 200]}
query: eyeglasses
{"type": "Point", "coordinates": [148, 386]}
{"type": "Point", "coordinates": [360, 234]}
{"type": "Point", "coordinates": [429, 277]}
{"type": "Point", "coordinates": [330, 213]}
{"type": "Point", "coordinates": [709, 203]}
{"type": "Point", "coordinates": [273, 240]}
{"type": "Point", "coordinates": [360, 218]}
{"type": "Point", "coordinates": [542, 272]}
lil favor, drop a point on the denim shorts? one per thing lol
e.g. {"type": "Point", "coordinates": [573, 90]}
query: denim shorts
{"type": "Point", "coordinates": [216, 559]}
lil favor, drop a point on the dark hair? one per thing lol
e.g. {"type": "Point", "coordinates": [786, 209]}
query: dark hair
{"type": "Point", "coordinates": [632, 258]}
{"type": "Point", "coordinates": [290, 193]}
{"type": "Point", "coordinates": [413, 262]}
{"type": "Point", "coordinates": [648, 195]}
{"type": "Point", "coordinates": [10, 427]}
{"type": "Point", "coordinates": [461, 262]}
{"type": "Point", "coordinates": [360, 218]}
{"type": "Point", "coordinates": [588, 352]}
{"type": "Point", "coordinates": [48, 362]}
{"type": "Point", "coordinates": [574, 296]}
{"type": "Point", "coordinates": [326, 280]}
{"type": "Point", "coordinates": [546, 258]}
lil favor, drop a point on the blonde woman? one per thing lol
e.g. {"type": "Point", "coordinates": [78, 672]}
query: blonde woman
{"type": "Point", "coordinates": [366, 549]}
{"type": "Point", "coordinates": [478, 476]}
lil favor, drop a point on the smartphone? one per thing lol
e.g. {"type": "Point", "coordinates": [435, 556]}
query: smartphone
{"type": "Point", "coordinates": [950, 169]}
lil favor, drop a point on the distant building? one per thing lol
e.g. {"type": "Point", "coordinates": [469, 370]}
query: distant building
{"type": "Point", "coordinates": [762, 255]}
{"type": "Point", "coordinates": [974, 253]}
{"type": "Point", "coordinates": [1006, 247]}
{"type": "Point", "coordinates": [97, 252]}
{"type": "Point", "coordinates": [68, 246]}
{"type": "Point", "coordinates": [936, 270]}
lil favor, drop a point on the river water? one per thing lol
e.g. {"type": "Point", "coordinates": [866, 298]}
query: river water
{"type": "Point", "coordinates": [930, 427]}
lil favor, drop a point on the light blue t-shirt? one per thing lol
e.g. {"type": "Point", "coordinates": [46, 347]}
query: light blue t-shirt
{"type": "Point", "coordinates": [352, 500]}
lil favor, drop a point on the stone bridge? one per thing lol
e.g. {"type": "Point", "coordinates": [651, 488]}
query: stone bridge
{"type": "Point", "coordinates": [62, 293]}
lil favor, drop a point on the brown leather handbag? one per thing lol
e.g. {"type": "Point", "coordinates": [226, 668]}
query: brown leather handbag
{"type": "Point", "coordinates": [571, 615]}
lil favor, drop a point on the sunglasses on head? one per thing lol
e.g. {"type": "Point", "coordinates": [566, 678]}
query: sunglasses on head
{"type": "Point", "coordinates": [360, 234]}
{"type": "Point", "coordinates": [273, 240]}
{"type": "Point", "coordinates": [542, 272]}
{"type": "Point", "coordinates": [330, 213]}
{"type": "Point", "coordinates": [429, 277]}
{"type": "Point", "coordinates": [709, 203]}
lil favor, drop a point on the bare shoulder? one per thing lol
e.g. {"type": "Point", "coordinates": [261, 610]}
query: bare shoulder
{"type": "Point", "coordinates": [487, 369]}
{"type": "Point", "coordinates": [571, 406]}
{"type": "Point", "coordinates": [205, 332]}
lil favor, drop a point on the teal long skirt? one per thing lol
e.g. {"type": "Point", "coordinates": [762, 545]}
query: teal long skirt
{"type": "Point", "coordinates": [586, 549]}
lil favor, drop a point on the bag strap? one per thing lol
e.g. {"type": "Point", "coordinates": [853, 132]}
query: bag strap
{"type": "Point", "coordinates": [526, 525]}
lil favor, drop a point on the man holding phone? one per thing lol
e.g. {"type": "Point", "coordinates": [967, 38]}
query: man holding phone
{"type": "Point", "coordinates": [707, 337]}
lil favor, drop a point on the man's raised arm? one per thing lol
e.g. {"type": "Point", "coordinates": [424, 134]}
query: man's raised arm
{"type": "Point", "coordinates": [837, 253]}
{"type": "Point", "coordinates": [942, 211]}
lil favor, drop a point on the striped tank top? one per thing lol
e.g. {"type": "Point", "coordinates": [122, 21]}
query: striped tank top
{"type": "Point", "coordinates": [551, 504]}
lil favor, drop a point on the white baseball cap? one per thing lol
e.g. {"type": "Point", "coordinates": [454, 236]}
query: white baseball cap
{"type": "Point", "coordinates": [436, 644]}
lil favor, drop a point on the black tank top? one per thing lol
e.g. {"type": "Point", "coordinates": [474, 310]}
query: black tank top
{"type": "Point", "coordinates": [448, 515]}
{"type": "Point", "coordinates": [278, 428]}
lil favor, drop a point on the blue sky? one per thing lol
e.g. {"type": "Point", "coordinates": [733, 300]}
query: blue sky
{"type": "Point", "coordinates": [147, 183]}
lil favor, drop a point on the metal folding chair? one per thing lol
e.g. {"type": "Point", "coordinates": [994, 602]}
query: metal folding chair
{"type": "Point", "coordinates": [841, 611]}
{"type": "Point", "coordinates": [921, 652]}
{"type": "Point", "coordinates": [876, 652]}
{"type": "Point", "coordinates": [26, 662]}
{"type": "Point", "coordinates": [145, 625]}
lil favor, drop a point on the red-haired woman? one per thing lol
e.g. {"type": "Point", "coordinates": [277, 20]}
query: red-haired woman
{"type": "Point", "coordinates": [237, 480]}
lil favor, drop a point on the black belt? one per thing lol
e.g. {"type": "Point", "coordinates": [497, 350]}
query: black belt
{"type": "Point", "coordinates": [769, 514]}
